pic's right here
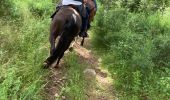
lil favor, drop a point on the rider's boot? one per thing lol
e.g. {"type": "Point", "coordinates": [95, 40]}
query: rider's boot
{"type": "Point", "coordinates": [85, 15]}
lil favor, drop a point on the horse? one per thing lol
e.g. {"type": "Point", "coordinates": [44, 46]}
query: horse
{"type": "Point", "coordinates": [66, 23]}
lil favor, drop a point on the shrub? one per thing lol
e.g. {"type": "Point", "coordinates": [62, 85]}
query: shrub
{"type": "Point", "coordinates": [135, 50]}
{"type": "Point", "coordinates": [23, 49]}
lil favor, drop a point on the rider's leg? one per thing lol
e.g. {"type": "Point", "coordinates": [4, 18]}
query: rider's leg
{"type": "Point", "coordinates": [84, 27]}
{"type": "Point", "coordinates": [88, 12]}
{"type": "Point", "coordinates": [85, 15]}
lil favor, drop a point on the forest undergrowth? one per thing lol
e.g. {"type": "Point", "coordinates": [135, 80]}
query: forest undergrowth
{"type": "Point", "coordinates": [133, 40]}
{"type": "Point", "coordinates": [24, 28]}
{"type": "Point", "coordinates": [131, 37]}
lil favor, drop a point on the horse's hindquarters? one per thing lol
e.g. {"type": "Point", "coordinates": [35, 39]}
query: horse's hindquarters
{"type": "Point", "coordinates": [66, 23]}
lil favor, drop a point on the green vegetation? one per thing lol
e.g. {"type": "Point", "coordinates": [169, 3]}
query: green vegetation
{"type": "Point", "coordinates": [133, 39]}
{"type": "Point", "coordinates": [24, 30]}
{"type": "Point", "coordinates": [75, 88]}
{"type": "Point", "coordinates": [131, 36]}
{"type": "Point", "coordinates": [23, 38]}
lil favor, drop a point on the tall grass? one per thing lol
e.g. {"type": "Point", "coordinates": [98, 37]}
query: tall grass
{"type": "Point", "coordinates": [135, 49]}
{"type": "Point", "coordinates": [23, 39]}
{"type": "Point", "coordinates": [24, 46]}
{"type": "Point", "coordinates": [76, 87]}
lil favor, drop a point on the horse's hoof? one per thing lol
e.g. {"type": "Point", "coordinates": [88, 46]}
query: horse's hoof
{"type": "Point", "coordinates": [45, 65]}
{"type": "Point", "coordinates": [71, 49]}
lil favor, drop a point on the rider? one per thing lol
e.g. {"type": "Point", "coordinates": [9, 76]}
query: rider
{"type": "Point", "coordinates": [80, 5]}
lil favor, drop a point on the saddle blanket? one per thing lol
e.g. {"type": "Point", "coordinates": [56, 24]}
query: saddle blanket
{"type": "Point", "coordinates": [73, 2]}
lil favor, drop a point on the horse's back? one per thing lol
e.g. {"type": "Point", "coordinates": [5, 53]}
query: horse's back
{"type": "Point", "coordinates": [64, 16]}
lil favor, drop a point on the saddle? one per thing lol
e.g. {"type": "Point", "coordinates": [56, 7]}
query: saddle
{"type": "Point", "coordinates": [84, 13]}
{"type": "Point", "coordinates": [81, 11]}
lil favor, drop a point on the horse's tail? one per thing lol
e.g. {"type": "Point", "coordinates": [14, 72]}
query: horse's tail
{"type": "Point", "coordinates": [69, 25]}
{"type": "Point", "coordinates": [69, 31]}
{"type": "Point", "coordinates": [66, 38]}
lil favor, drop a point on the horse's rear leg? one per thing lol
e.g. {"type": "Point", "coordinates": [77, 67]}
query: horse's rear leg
{"type": "Point", "coordinates": [51, 59]}
{"type": "Point", "coordinates": [65, 46]}
{"type": "Point", "coordinates": [82, 42]}
{"type": "Point", "coordinates": [58, 60]}
{"type": "Point", "coordinates": [52, 39]}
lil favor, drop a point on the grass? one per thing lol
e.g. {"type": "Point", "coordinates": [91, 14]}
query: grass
{"type": "Point", "coordinates": [135, 52]}
{"type": "Point", "coordinates": [75, 88]}
{"type": "Point", "coordinates": [20, 73]}
{"type": "Point", "coordinates": [23, 41]}
{"type": "Point", "coordinates": [24, 46]}
{"type": "Point", "coordinates": [22, 52]}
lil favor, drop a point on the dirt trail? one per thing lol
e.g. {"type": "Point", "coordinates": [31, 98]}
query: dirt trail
{"type": "Point", "coordinates": [101, 90]}
{"type": "Point", "coordinates": [55, 82]}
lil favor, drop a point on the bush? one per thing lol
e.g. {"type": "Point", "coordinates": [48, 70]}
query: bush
{"type": "Point", "coordinates": [23, 49]}
{"type": "Point", "coordinates": [135, 49]}
{"type": "Point", "coordinates": [39, 9]}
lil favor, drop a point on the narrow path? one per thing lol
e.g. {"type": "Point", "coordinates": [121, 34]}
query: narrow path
{"type": "Point", "coordinates": [100, 88]}
{"type": "Point", "coordinates": [103, 88]}
{"type": "Point", "coordinates": [55, 82]}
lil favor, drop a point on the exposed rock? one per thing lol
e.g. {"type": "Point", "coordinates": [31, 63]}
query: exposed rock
{"type": "Point", "coordinates": [90, 73]}
{"type": "Point", "coordinates": [56, 95]}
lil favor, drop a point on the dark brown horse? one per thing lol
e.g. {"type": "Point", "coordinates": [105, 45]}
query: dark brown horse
{"type": "Point", "coordinates": [67, 24]}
